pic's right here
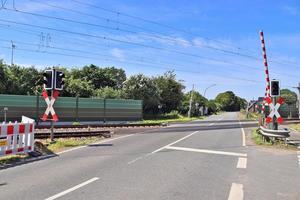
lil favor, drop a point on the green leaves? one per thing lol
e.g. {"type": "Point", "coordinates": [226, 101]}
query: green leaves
{"type": "Point", "coordinates": [228, 101]}
{"type": "Point", "coordinates": [290, 97]}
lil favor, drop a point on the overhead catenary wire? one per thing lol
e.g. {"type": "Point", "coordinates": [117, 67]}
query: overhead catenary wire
{"type": "Point", "coordinates": [168, 63]}
{"type": "Point", "coordinates": [121, 41]}
{"type": "Point", "coordinates": [127, 62]}
{"type": "Point", "coordinates": [139, 59]}
{"type": "Point", "coordinates": [197, 63]}
{"type": "Point", "coordinates": [117, 28]}
{"type": "Point", "coordinates": [176, 29]}
{"type": "Point", "coordinates": [226, 51]}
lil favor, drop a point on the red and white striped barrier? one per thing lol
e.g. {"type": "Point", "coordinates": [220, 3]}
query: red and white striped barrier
{"type": "Point", "coordinates": [264, 53]}
{"type": "Point", "coordinates": [16, 138]}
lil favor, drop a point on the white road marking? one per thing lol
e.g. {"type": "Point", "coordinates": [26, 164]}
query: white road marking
{"type": "Point", "coordinates": [236, 192]}
{"type": "Point", "coordinates": [164, 147]}
{"type": "Point", "coordinates": [207, 151]}
{"type": "Point", "coordinates": [157, 150]}
{"type": "Point", "coordinates": [243, 134]}
{"type": "Point", "coordinates": [298, 153]}
{"type": "Point", "coordinates": [100, 142]}
{"type": "Point", "coordinates": [189, 135]}
{"type": "Point", "coordinates": [242, 163]}
{"type": "Point", "coordinates": [72, 189]}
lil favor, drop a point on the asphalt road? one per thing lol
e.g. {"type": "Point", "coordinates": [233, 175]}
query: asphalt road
{"type": "Point", "coordinates": [207, 159]}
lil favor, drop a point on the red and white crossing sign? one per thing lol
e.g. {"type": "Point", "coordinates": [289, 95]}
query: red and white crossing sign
{"type": "Point", "coordinates": [50, 103]}
{"type": "Point", "coordinates": [274, 110]}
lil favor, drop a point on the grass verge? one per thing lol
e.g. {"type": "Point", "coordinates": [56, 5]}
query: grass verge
{"type": "Point", "coordinates": [251, 116]}
{"type": "Point", "coordinates": [295, 126]}
{"type": "Point", "coordinates": [65, 143]}
{"type": "Point", "coordinates": [258, 139]}
{"type": "Point", "coordinates": [13, 158]}
{"type": "Point", "coordinates": [45, 147]}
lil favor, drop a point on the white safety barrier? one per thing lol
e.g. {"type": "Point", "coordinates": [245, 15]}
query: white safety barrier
{"type": "Point", "coordinates": [16, 137]}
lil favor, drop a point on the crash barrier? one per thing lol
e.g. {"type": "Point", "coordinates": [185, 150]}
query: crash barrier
{"type": "Point", "coordinates": [275, 134]}
{"type": "Point", "coordinates": [72, 108]}
{"type": "Point", "coordinates": [17, 137]}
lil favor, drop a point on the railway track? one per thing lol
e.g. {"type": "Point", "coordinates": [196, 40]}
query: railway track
{"type": "Point", "coordinates": [88, 130]}
{"type": "Point", "coordinates": [99, 125]}
{"type": "Point", "coordinates": [67, 133]}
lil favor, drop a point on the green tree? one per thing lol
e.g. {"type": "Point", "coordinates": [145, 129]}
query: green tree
{"type": "Point", "coordinates": [78, 87]}
{"type": "Point", "coordinates": [109, 93]}
{"type": "Point", "coordinates": [142, 88]}
{"type": "Point", "coordinates": [3, 77]}
{"type": "Point", "coordinates": [229, 102]}
{"type": "Point", "coordinates": [212, 107]}
{"type": "Point", "coordinates": [198, 99]}
{"type": "Point", "coordinates": [289, 96]}
{"type": "Point", "coordinates": [170, 91]}
{"type": "Point", "coordinates": [101, 77]}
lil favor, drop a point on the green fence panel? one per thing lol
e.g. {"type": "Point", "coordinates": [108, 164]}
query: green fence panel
{"type": "Point", "coordinates": [72, 109]}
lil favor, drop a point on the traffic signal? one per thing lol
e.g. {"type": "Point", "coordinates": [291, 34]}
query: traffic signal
{"type": "Point", "coordinates": [59, 80]}
{"type": "Point", "coordinates": [48, 79]}
{"type": "Point", "coordinates": [275, 88]}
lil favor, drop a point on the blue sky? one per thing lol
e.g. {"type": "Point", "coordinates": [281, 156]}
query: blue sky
{"type": "Point", "coordinates": [199, 54]}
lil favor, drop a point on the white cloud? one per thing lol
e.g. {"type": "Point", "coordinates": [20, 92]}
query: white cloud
{"type": "Point", "coordinates": [291, 10]}
{"type": "Point", "coordinates": [118, 53]}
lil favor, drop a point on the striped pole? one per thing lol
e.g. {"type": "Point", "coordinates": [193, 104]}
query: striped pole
{"type": "Point", "coordinates": [264, 53]}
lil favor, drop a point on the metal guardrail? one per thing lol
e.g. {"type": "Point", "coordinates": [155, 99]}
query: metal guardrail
{"type": "Point", "coordinates": [283, 133]}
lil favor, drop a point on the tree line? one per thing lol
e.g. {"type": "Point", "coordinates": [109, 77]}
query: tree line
{"type": "Point", "coordinates": [160, 94]}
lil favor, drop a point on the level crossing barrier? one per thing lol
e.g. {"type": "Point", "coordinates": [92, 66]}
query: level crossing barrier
{"type": "Point", "coordinates": [16, 138]}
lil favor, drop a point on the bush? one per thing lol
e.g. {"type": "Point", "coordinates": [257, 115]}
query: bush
{"type": "Point", "coordinates": [174, 114]}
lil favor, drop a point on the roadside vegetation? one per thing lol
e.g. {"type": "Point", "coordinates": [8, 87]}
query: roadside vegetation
{"type": "Point", "coordinates": [13, 158]}
{"type": "Point", "coordinates": [45, 147]}
{"type": "Point", "coordinates": [160, 94]}
{"type": "Point", "coordinates": [251, 116]}
{"type": "Point", "coordinates": [65, 143]}
{"type": "Point", "coordinates": [295, 127]}
{"type": "Point", "coordinates": [258, 139]}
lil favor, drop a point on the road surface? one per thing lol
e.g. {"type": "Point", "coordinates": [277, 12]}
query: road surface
{"type": "Point", "coordinates": [207, 159]}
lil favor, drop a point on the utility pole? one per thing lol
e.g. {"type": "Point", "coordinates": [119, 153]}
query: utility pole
{"type": "Point", "coordinates": [191, 101]}
{"type": "Point", "coordinates": [13, 46]}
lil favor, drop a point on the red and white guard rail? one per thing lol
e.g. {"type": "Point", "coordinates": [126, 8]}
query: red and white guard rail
{"type": "Point", "coordinates": [16, 138]}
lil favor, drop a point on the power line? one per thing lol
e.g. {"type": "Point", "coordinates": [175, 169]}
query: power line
{"type": "Point", "coordinates": [152, 22]}
{"type": "Point", "coordinates": [164, 37]}
{"type": "Point", "coordinates": [173, 28]}
{"type": "Point", "coordinates": [126, 62]}
{"type": "Point", "coordinates": [151, 64]}
{"type": "Point", "coordinates": [121, 41]}
{"type": "Point", "coordinates": [96, 54]}
{"type": "Point", "coordinates": [226, 62]}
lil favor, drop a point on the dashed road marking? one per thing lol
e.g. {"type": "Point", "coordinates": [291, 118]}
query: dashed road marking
{"type": "Point", "coordinates": [207, 151]}
{"type": "Point", "coordinates": [242, 163]}
{"type": "Point", "coordinates": [236, 192]}
{"type": "Point", "coordinates": [72, 189]}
